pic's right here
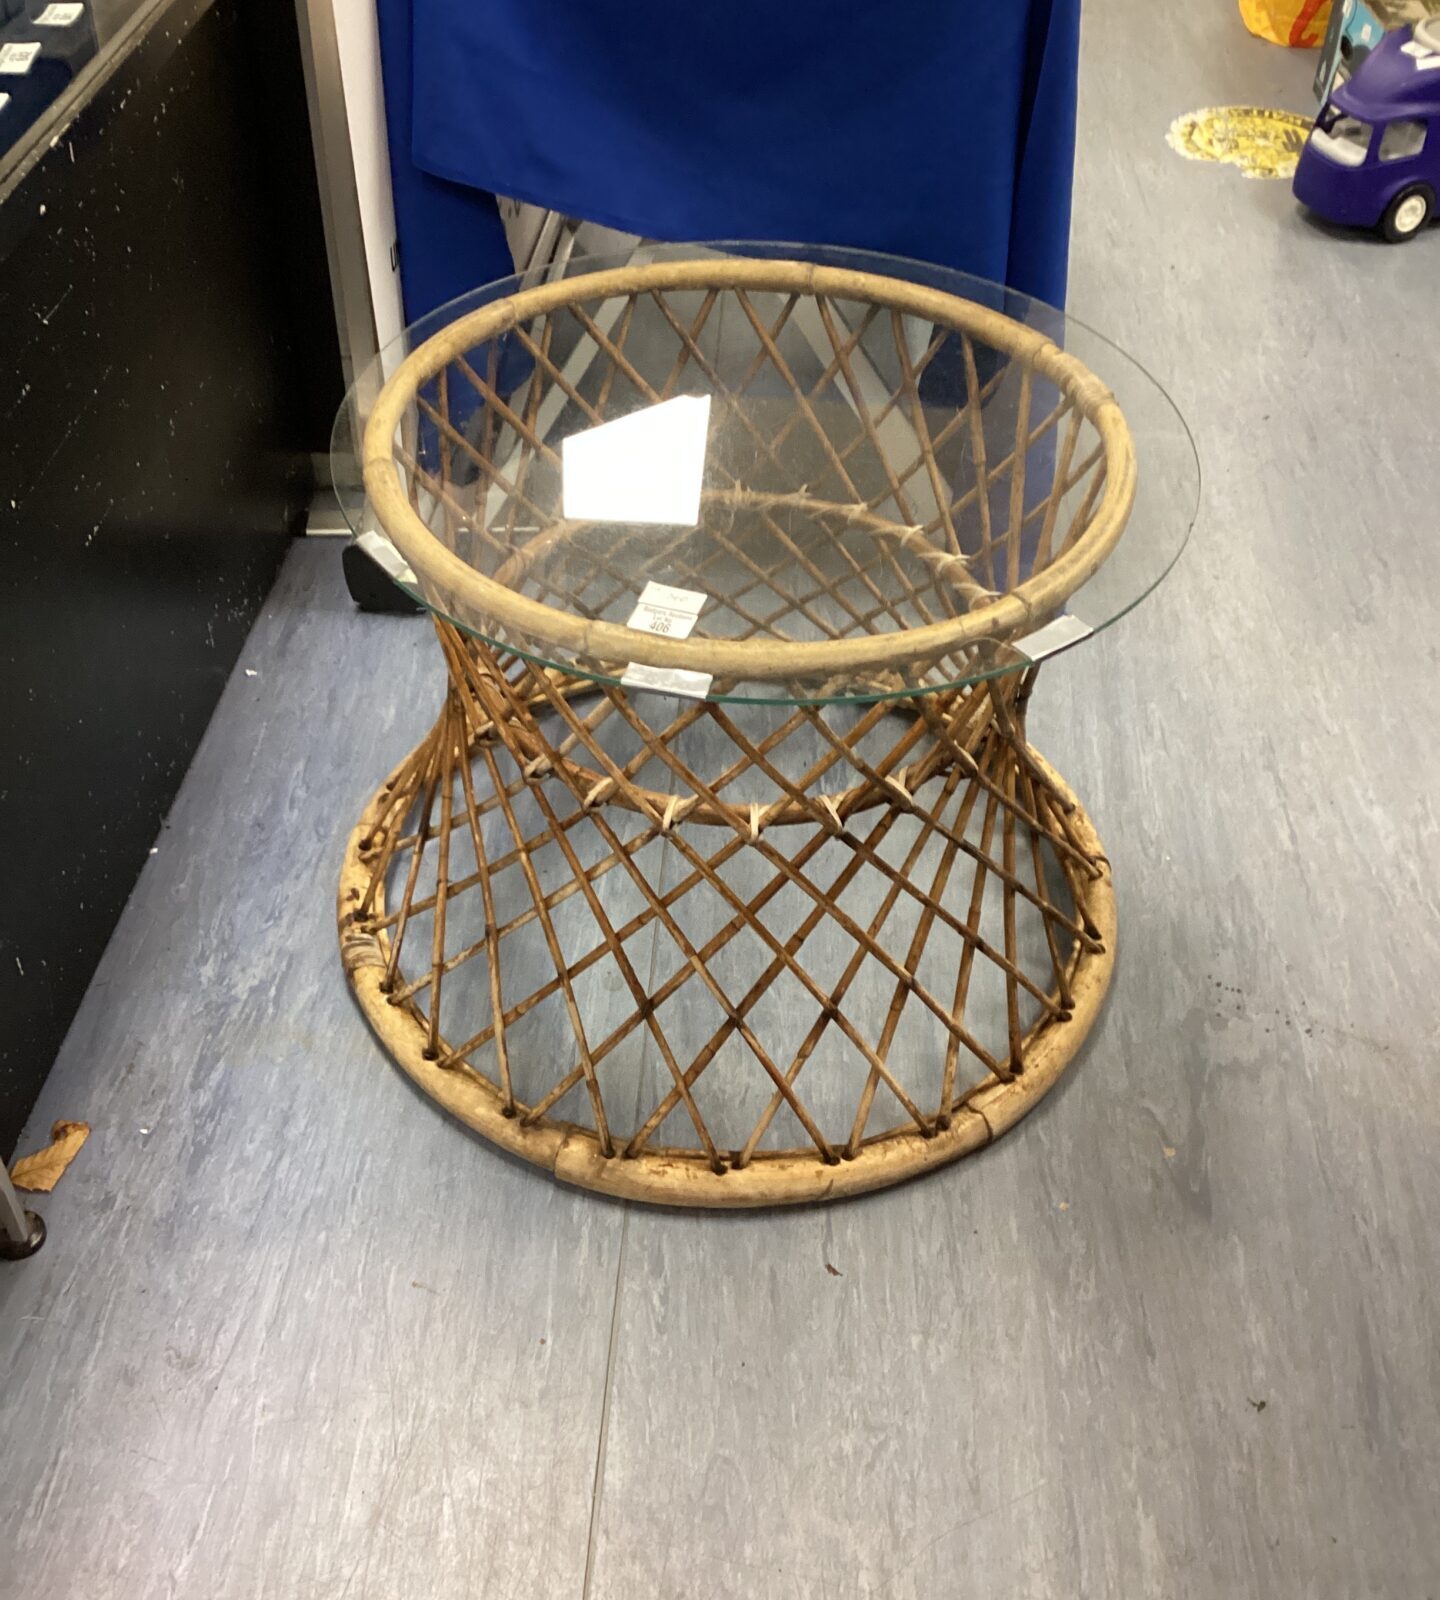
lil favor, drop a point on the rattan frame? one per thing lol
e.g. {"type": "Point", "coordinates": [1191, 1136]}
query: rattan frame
{"type": "Point", "coordinates": [513, 726]}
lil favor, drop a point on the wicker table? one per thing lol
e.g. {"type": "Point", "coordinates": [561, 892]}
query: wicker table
{"type": "Point", "coordinates": [727, 875]}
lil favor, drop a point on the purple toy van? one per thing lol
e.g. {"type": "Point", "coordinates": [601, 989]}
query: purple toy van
{"type": "Point", "coordinates": [1373, 156]}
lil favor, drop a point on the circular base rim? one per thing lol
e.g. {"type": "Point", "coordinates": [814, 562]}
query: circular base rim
{"type": "Point", "coordinates": [674, 1178]}
{"type": "Point", "coordinates": [23, 1249]}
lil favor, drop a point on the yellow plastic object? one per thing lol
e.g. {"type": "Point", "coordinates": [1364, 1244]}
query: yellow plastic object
{"type": "Point", "coordinates": [1301, 23]}
{"type": "Point", "coordinates": [1262, 142]}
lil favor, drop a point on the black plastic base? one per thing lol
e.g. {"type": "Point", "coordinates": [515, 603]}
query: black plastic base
{"type": "Point", "coordinates": [18, 1249]}
{"type": "Point", "coordinates": [369, 587]}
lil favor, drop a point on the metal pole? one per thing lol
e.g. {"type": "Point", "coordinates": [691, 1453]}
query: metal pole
{"type": "Point", "coordinates": [339, 194]}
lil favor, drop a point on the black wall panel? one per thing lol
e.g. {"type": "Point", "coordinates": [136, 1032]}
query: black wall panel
{"type": "Point", "coordinates": [169, 363]}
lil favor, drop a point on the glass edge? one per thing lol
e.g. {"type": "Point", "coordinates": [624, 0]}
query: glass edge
{"type": "Point", "coordinates": [433, 321]}
{"type": "Point", "coordinates": [535, 659]}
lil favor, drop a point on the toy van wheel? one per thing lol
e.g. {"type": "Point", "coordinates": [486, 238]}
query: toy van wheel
{"type": "Point", "coordinates": [1408, 213]}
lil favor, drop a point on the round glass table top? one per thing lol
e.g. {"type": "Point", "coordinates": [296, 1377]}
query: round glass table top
{"type": "Point", "coordinates": [765, 472]}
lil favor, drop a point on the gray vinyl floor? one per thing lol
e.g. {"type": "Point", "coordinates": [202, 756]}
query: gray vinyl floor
{"type": "Point", "coordinates": [296, 1335]}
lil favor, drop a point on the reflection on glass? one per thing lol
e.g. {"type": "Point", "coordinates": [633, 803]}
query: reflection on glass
{"type": "Point", "coordinates": [647, 467]}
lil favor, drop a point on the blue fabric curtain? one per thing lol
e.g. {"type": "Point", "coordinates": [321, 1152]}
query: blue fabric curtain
{"type": "Point", "coordinates": [930, 128]}
{"type": "Point", "coordinates": [450, 235]}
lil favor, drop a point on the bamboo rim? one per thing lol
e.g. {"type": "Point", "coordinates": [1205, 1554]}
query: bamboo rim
{"type": "Point", "coordinates": [754, 660]}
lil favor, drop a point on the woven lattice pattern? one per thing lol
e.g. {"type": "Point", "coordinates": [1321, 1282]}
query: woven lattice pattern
{"type": "Point", "coordinates": [744, 886]}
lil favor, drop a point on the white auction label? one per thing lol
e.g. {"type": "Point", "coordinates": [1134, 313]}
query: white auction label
{"type": "Point", "coordinates": [668, 680]}
{"type": "Point", "coordinates": [60, 16]}
{"type": "Point", "coordinates": [670, 612]}
{"type": "Point", "coordinates": [17, 59]}
{"type": "Point", "coordinates": [665, 610]}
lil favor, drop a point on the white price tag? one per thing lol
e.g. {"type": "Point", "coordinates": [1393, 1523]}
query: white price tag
{"type": "Point", "coordinates": [60, 15]}
{"type": "Point", "coordinates": [672, 614]}
{"type": "Point", "coordinates": [668, 680]}
{"type": "Point", "coordinates": [667, 611]}
{"type": "Point", "coordinates": [17, 59]}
